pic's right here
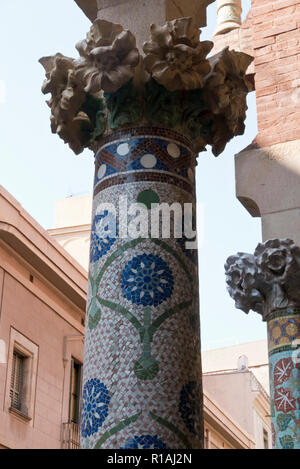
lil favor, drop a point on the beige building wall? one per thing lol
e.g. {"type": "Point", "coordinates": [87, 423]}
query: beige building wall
{"type": "Point", "coordinates": [227, 358]}
{"type": "Point", "coordinates": [241, 396]}
{"type": "Point", "coordinates": [42, 313]}
{"type": "Point", "coordinates": [72, 226]}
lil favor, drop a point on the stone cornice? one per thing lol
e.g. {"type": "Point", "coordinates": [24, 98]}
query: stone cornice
{"type": "Point", "coordinates": [267, 281]}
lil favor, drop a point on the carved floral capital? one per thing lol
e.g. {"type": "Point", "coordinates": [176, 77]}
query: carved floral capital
{"type": "Point", "coordinates": [175, 57]}
{"type": "Point", "coordinates": [174, 85]}
{"type": "Point", "coordinates": [108, 57]}
{"type": "Point", "coordinates": [267, 281]}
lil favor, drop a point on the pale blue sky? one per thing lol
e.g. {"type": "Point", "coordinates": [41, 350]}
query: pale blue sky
{"type": "Point", "coordinates": [37, 168]}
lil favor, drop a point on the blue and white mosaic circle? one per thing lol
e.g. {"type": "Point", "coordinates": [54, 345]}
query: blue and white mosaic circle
{"type": "Point", "coordinates": [95, 402]}
{"type": "Point", "coordinates": [147, 280]}
{"type": "Point", "coordinates": [189, 406]}
{"type": "Point", "coordinates": [103, 234]}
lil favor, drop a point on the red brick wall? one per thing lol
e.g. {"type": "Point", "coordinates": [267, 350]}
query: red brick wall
{"type": "Point", "coordinates": [276, 43]}
{"type": "Point", "coordinates": [271, 33]}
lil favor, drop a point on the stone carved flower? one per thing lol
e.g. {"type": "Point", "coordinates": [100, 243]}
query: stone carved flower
{"type": "Point", "coordinates": [278, 259]}
{"type": "Point", "coordinates": [67, 97]}
{"type": "Point", "coordinates": [226, 91]}
{"type": "Point", "coordinates": [241, 278]}
{"type": "Point", "coordinates": [175, 57]}
{"type": "Point", "coordinates": [108, 57]}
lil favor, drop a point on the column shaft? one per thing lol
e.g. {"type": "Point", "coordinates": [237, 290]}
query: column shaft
{"type": "Point", "coordinates": [284, 362]}
{"type": "Point", "coordinates": [142, 368]}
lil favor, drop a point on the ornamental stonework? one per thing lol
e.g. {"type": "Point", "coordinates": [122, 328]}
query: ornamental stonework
{"type": "Point", "coordinates": [171, 83]}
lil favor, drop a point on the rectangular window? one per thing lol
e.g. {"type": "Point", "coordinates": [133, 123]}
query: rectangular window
{"type": "Point", "coordinates": [75, 391]}
{"type": "Point", "coordinates": [21, 377]}
{"type": "Point", "coordinates": [16, 382]}
{"type": "Point", "coordinates": [266, 439]}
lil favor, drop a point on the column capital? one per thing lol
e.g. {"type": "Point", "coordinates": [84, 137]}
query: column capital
{"type": "Point", "coordinates": [170, 83]}
{"type": "Point", "coordinates": [266, 281]}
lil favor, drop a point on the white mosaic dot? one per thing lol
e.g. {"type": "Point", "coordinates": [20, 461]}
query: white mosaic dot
{"type": "Point", "coordinates": [148, 161]}
{"type": "Point", "coordinates": [102, 171]}
{"type": "Point", "coordinates": [173, 150]}
{"type": "Point", "coordinates": [123, 149]}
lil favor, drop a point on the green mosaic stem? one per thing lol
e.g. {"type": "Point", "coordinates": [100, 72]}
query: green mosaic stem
{"type": "Point", "coordinates": [167, 314]}
{"type": "Point", "coordinates": [125, 423]}
{"type": "Point", "coordinates": [173, 429]}
{"type": "Point", "coordinates": [171, 251]}
{"type": "Point", "coordinates": [120, 309]}
{"type": "Point", "coordinates": [115, 255]}
{"type": "Point", "coordinates": [146, 367]}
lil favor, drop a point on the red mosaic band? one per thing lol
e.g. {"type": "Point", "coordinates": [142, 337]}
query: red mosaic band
{"type": "Point", "coordinates": [142, 176]}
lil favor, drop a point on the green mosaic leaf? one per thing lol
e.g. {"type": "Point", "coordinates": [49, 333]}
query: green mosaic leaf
{"type": "Point", "coordinates": [124, 106]}
{"type": "Point", "coordinates": [162, 106]}
{"type": "Point", "coordinates": [173, 429]}
{"type": "Point", "coordinates": [148, 197]}
{"type": "Point", "coordinates": [99, 125]}
{"type": "Point", "coordinates": [170, 312]}
{"type": "Point", "coordinates": [146, 368]}
{"type": "Point", "coordinates": [95, 110]}
{"type": "Point", "coordinates": [197, 119]}
{"type": "Point", "coordinates": [287, 442]}
{"type": "Point", "coordinates": [125, 423]}
{"type": "Point", "coordinates": [120, 309]}
{"type": "Point", "coordinates": [93, 321]}
{"type": "Point", "coordinates": [115, 255]}
{"type": "Point", "coordinates": [283, 421]}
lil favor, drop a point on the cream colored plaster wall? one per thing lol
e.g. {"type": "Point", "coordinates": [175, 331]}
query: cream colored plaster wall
{"type": "Point", "coordinates": [226, 358]}
{"type": "Point", "coordinates": [231, 391]}
{"type": "Point", "coordinates": [33, 317]}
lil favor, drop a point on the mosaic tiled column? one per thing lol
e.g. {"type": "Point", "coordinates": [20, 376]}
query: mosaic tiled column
{"type": "Point", "coordinates": [146, 117]}
{"type": "Point", "coordinates": [142, 345]}
{"type": "Point", "coordinates": [269, 283]}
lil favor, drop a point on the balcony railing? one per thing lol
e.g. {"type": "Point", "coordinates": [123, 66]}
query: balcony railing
{"type": "Point", "coordinates": [70, 436]}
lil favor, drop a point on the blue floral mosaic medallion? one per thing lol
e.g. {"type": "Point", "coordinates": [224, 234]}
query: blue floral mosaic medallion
{"type": "Point", "coordinates": [189, 406]}
{"type": "Point", "coordinates": [103, 234]}
{"type": "Point", "coordinates": [144, 442]}
{"type": "Point", "coordinates": [147, 280]}
{"type": "Point", "coordinates": [95, 402]}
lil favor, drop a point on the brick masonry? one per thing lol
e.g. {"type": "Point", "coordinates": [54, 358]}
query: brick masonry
{"type": "Point", "coordinates": [271, 33]}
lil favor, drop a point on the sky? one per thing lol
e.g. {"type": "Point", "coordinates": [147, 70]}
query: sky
{"type": "Point", "coordinates": [37, 168]}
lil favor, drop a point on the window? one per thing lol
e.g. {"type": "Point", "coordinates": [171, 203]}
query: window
{"type": "Point", "coordinates": [266, 439]}
{"type": "Point", "coordinates": [75, 391]}
{"type": "Point", "coordinates": [21, 377]}
{"type": "Point", "coordinates": [16, 382]}
{"type": "Point", "coordinates": [206, 439]}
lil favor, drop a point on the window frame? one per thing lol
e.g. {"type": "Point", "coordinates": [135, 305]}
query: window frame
{"type": "Point", "coordinates": [74, 363]}
{"type": "Point", "coordinates": [29, 350]}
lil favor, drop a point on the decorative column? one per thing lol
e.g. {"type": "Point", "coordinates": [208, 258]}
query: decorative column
{"type": "Point", "coordinates": [229, 16]}
{"type": "Point", "coordinates": [268, 282]}
{"type": "Point", "coordinates": [146, 118]}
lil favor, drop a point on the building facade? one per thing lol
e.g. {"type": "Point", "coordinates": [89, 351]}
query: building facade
{"type": "Point", "coordinates": [42, 314]}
